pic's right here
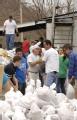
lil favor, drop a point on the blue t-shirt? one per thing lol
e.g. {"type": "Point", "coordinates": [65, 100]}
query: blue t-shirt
{"type": "Point", "coordinates": [21, 71]}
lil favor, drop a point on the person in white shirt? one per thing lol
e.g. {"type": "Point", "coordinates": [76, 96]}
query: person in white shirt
{"type": "Point", "coordinates": [9, 28]}
{"type": "Point", "coordinates": [33, 62]}
{"type": "Point", "coordinates": [51, 59]}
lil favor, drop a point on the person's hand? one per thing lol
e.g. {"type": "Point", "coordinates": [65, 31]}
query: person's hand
{"type": "Point", "coordinates": [39, 61]}
{"type": "Point", "coordinates": [28, 78]}
{"type": "Point", "coordinates": [3, 32]}
{"type": "Point", "coordinates": [15, 88]}
{"type": "Point", "coordinates": [72, 81]}
{"type": "Point", "coordinates": [17, 34]}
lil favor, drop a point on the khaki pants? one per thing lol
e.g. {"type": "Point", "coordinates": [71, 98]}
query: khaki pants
{"type": "Point", "coordinates": [34, 76]}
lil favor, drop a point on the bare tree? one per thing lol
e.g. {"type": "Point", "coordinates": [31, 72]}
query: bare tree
{"type": "Point", "coordinates": [68, 5]}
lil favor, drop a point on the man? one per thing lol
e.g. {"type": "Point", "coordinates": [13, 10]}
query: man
{"type": "Point", "coordinates": [72, 70]}
{"type": "Point", "coordinates": [51, 59]}
{"type": "Point", "coordinates": [25, 47]}
{"type": "Point", "coordinates": [22, 71]}
{"type": "Point", "coordinates": [10, 70]}
{"type": "Point", "coordinates": [34, 61]}
{"type": "Point", "coordinates": [9, 28]}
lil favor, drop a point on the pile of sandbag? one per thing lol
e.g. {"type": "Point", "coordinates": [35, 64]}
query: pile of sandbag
{"type": "Point", "coordinates": [6, 56]}
{"type": "Point", "coordinates": [42, 103]}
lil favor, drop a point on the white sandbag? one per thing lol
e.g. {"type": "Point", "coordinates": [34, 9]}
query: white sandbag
{"type": "Point", "coordinates": [32, 82]}
{"type": "Point", "coordinates": [61, 97]}
{"type": "Point", "coordinates": [66, 105]}
{"type": "Point", "coordinates": [35, 113]}
{"type": "Point", "coordinates": [4, 117]}
{"type": "Point", "coordinates": [46, 95]}
{"type": "Point", "coordinates": [45, 107]}
{"type": "Point", "coordinates": [65, 113]}
{"type": "Point", "coordinates": [9, 114]}
{"type": "Point", "coordinates": [25, 102]}
{"type": "Point", "coordinates": [18, 94]}
{"type": "Point", "coordinates": [50, 111]}
{"type": "Point", "coordinates": [41, 102]}
{"type": "Point", "coordinates": [75, 115]}
{"type": "Point", "coordinates": [70, 92]}
{"type": "Point", "coordinates": [43, 93]}
{"type": "Point", "coordinates": [53, 86]}
{"type": "Point", "coordinates": [48, 117]}
{"type": "Point", "coordinates": [19, 115]}
{"type": "Point", "coordinates": [13, 95]}
{"type": "Point", "coordinates": [29, 88]}
{"type": "Point", "coordinates": [5, 106]}
{"type": "Point", "coordinates": [10, 94]}
{"type": "Point", "coordinates": [53, 117]}
{"type": "Point", "coordinates": [38, 84]}
{"type": "Point", "coordinates": [74, 103]}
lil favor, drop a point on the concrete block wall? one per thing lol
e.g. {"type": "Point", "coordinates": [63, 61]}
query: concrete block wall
{"type": "Point", "coordinates": [63, 35]}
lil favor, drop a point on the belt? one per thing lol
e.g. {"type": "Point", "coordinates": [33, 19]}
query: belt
{"type": "Point", "coordinates": [54, 72]}
{"type": "Point", "coordinates": [33, 72]}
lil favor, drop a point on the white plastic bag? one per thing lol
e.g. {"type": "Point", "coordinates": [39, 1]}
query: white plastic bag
{"type": "Point", "coordinates": [5, 106]}
{"type": "Point", "coordinates": [19, 115]}
{"type": "Point", "coordinates": [50, 111]}
{"type": "Point", "coordinates": [46, 95]}
{"type": "Point", "coordinates": [70, 92]}
{"type": "Point", "coordinates": [61, 97]}
{"type": "Point", "coordinates": [75, 115]}
{"type": "Point", "coordinates": [65, 113]}
{"type": "Point", "coordinates": [4, 117]}
{"type": "Point", "coordinates": [35, 113]}
{"type": "Point", "coordinates": [53, 117]}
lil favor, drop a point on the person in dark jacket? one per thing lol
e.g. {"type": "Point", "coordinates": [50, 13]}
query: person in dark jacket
{"type": "Point", "coordinates": [10, 70]}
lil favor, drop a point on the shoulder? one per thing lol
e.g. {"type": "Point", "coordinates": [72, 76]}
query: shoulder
{"type": "Point", "coordinates": [23, 59]}
{"type": "Point", "coordinates": [6, 21]}
{"type": "Point", "coordinates": [13, 21]}
{"type": "Point", "coordinates": [30, 56]}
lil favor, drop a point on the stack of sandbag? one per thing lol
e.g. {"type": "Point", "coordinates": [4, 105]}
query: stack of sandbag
{"type": "Point", "coordinates": [35, 113]}
{"type": "Point", "coordinates": [45, 97]}
{"type": "Point", "coordinates": [42, 103]}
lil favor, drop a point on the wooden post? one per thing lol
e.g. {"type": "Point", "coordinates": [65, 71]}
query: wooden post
{"type": "Point", "coordinates": [1, 77]}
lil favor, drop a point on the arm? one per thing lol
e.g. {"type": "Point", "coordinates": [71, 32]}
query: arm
{"type": "Point", "coordinates": [71, 67]}
{"type": "Point", "coordinates": [32, 64]}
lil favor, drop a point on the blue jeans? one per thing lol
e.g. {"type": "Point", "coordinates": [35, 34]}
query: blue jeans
{"type": "Point", "coordinates": [10, 41]}
{"type": "Point", "coordinates": [61, 85]}
{"type": "Point", "coordinates": [51, 78]}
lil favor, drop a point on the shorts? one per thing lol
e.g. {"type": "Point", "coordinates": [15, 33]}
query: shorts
{"type": "Point", "coordinates": [5, 79]}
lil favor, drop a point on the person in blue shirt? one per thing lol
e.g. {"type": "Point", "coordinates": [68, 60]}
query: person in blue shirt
{"type": "Point", "coordinates": [72, 70]}
{"type": "Point", "coordinates": [21, 72]}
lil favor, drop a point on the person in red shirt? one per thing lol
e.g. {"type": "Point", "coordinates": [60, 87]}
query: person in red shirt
{"type": "Point", "coordinates": [25, 47]}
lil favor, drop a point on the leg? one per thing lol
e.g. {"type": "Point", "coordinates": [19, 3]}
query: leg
{"type": "Point", "coordinates": [62, 82]}
{"type": "Point", "coordinates": [7, 86]}
{"type": "Point", "coordinates": [22, 87]}
{"type": "Point", "coordinates": [11, 43]}
{"type": "Point", "coordinates": [50, 79]}
{"type": "Point", "coordinates": [41, 79]}
{"type": "Point", "coordinates": [7, 41]}
{"type": "Point", "coordinates": [58, 87]}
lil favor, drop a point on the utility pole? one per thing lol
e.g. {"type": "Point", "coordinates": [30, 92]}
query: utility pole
{"type": "Point", "coordinates": [53, 22]}
{"type": "Point", "coordinates": [21, 18]}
